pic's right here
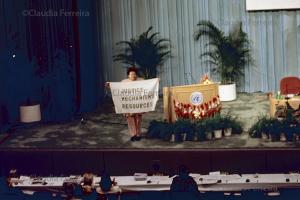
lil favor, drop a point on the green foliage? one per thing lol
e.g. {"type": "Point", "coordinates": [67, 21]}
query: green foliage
{"type": "Point", "coordinates": [258, 127]}
{"type": "Point", "coordinates": [228, 53]}
{"type": "Point", "coordinates": [236, 127]}
{"type": "Point", "coordinates": [216, 122]}
{"type": "Point", "coordinates": [160, 130]}
{"type": "Point", "coordinates": [184, 127]}
{"type": "Point", "coordinates": [148, 51]}
{"type": "Point", "coordinates": [223, 122]}
{"type": "Point", "coordinates": [200, 130]}
{"type": "Point", "coordinates": [192, 129]}
{"type": "Point", "coordinates": [274, 127]}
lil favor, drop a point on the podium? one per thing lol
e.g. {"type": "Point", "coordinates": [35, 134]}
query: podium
{"type": "Point", "coordinates": [183, 94]}
{"type": "Point", "coordinates": [294, 103]}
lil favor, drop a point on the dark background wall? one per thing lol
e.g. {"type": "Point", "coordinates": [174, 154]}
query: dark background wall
{"type": "Point", "coordinates": [48, 55]}
{"type": "Point", "coordinates": [127, 162]}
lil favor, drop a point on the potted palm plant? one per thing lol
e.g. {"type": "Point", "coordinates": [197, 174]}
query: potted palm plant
{"type": "Point", "coordinates": [258, 130]}
{"type": "Point", "coordinates": [179, 130]}
{"type": "Point", "coordinates": [217, 125]}
{"type": "Point", "coordinates": [209, 128]}
{"type": "Point", "coordinates": [147, 51]}
{"type": "Point", "coordinates": [184, 130]}
{"type": "Point", "coordinates": [200, 130]}
{"type": "Point", "coordinates": [29, 107]}
{"type": "Point", "coordinates": [227, 125]}
{"type": "Point", "coordinates": [229, 54]}
{"type": "Point", "coordinates": [274, 130]}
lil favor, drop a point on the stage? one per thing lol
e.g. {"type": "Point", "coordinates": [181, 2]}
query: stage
{"type": "Point", "coordinates": [101, 139]}
{"type": "Point", "coordinates": [104, 129]}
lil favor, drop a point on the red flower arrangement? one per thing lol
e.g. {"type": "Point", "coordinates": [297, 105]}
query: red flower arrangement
{"type": "Point", "coordinates": [202, 111]}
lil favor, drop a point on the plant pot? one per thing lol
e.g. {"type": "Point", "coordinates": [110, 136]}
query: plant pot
{"type": "Point", "coordinates": [172, 138]}
{"type": "Point", "coordinates": [178, 137]}
{"type": "Point", "coordinates": [270, 137]}
{"type": "Point", "coordinates": [31, 113]}
{"type": "Point", "coordinates": [282, 137]}
{"type": "Point", "coordinates": [227, 132]}
{"type": "Point", "coordinates": [227, 92]}
{"type": "Point", "coordinates": [209, 136]}
{"type": "Point", "coordinates": [218, 134]}
{"type": "Point", "coordinates": [190, 136]}
{"type": "Point", "coordinates": [201, 137]}
{"type": "Point", "coordinates": [264, 136]}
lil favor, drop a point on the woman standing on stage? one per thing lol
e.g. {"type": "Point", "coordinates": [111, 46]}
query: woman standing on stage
{"type": "Point", "coordinates": [134, 120]}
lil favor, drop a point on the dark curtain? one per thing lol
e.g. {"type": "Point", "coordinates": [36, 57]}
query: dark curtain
{"type": "Point", "coordinates": [47, 56]}
{"type": "Point", "coordinates": [89, 66]}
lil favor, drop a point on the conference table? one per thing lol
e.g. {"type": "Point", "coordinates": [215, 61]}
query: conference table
{"type": "Point", "coordinates": [211, 182]}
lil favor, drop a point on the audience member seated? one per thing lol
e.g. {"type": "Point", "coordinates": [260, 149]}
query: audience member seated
{"type": "Point", "coordinates": [6, 189]}
{"type": "Point", "coordinates": [87, 183]}
{"type": "Point", "coordinates": [290, 85]}
{"type": "Point", "coordinates": [91, 196]}
{"type": "Point", "coordinates": [183, 182]}
{"type": "Point", "coordinates": [69, 189]}
{"type": "Point", "coordinates": [43, 196]}
{"type": "Point", "coordinates": [78, 191]}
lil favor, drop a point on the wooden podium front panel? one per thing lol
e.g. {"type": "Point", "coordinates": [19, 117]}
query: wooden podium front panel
{"type": "Point", "coordinates": [294, 103]}
{"type": "Point", "coordinates": [182, 94]}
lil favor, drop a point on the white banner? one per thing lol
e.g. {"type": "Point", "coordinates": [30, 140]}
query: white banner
{"type": "Point", "coordinates": [135, 96]}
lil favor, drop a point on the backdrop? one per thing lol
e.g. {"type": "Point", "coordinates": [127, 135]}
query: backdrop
{"type": "Point", "coordinates": [275, 37]}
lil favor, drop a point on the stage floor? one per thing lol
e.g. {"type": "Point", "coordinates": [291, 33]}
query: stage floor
{"type": "Point", "coordinates": [104, 129]}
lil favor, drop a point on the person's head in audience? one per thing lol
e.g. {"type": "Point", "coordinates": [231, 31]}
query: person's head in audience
{"type": "Point", "coordinates": [183, 182]}
{"type": "Point", "coordinates": [88, 179]}
{"type": "Point", "coordinates": [87, 183]}
{"type": "Point", "coordinates": [183, 170]}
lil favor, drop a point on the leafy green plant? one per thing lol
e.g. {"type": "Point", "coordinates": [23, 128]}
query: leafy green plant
{"type": "Point", "coordinates": [154, 129]}
{"type": "Point", "coordinates": [182, 127]}
{"type": "Point", "coordinates": [161, 130]}
{"type": "Point", "coordinates": [258, 127]}
{"type": "Point", "coordinates": [236, 126]}
{"type": "Point", "coordinates": [200, 130]}
{"type": "Point", "coordinates": [275, 129]}
{"type": "Point", "coordinates": [265, 125]}
{"type": "Point", "coordinates": [288, 130]}
{"type": "Point", "coordinates": [228, 53]}
{"type": "Point", "coordinates": [216, 122]}
{"type": "Point", "coordinates": [227, 121]}
{"type": "Point", "coordinates": [209, 125]}
{"type": "Point", "coordinates": [166, 131]}
{"type": "Point", "coordinates": [148, 51]}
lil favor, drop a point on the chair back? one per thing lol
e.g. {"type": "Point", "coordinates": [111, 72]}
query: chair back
{"type": "Point", "coordinates": [290, 85]}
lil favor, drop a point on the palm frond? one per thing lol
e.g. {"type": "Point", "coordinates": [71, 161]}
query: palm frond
{"type": "Point", "coordinates": [147, 51]}
{"type": "Point", "coordinates": [230, 54]}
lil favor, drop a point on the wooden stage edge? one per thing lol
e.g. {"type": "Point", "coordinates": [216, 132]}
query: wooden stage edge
{"type": "Point", "coordinates": [149, 149]}
{"type": "Point", "coordinates": [56, 162]}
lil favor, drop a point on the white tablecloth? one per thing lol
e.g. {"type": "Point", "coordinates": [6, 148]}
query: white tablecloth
{"type": "Point", "coordinates": [213, 182]}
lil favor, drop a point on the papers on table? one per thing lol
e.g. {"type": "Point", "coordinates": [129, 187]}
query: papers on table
{"type": "Point", "coordinates": [207, 181]}
{"type": "Point", "coordinates": [271, 178]}
{"type": "Point", "coordinates": [218, 178]}
{"type": "Point", "coordinates": [140, 176]}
